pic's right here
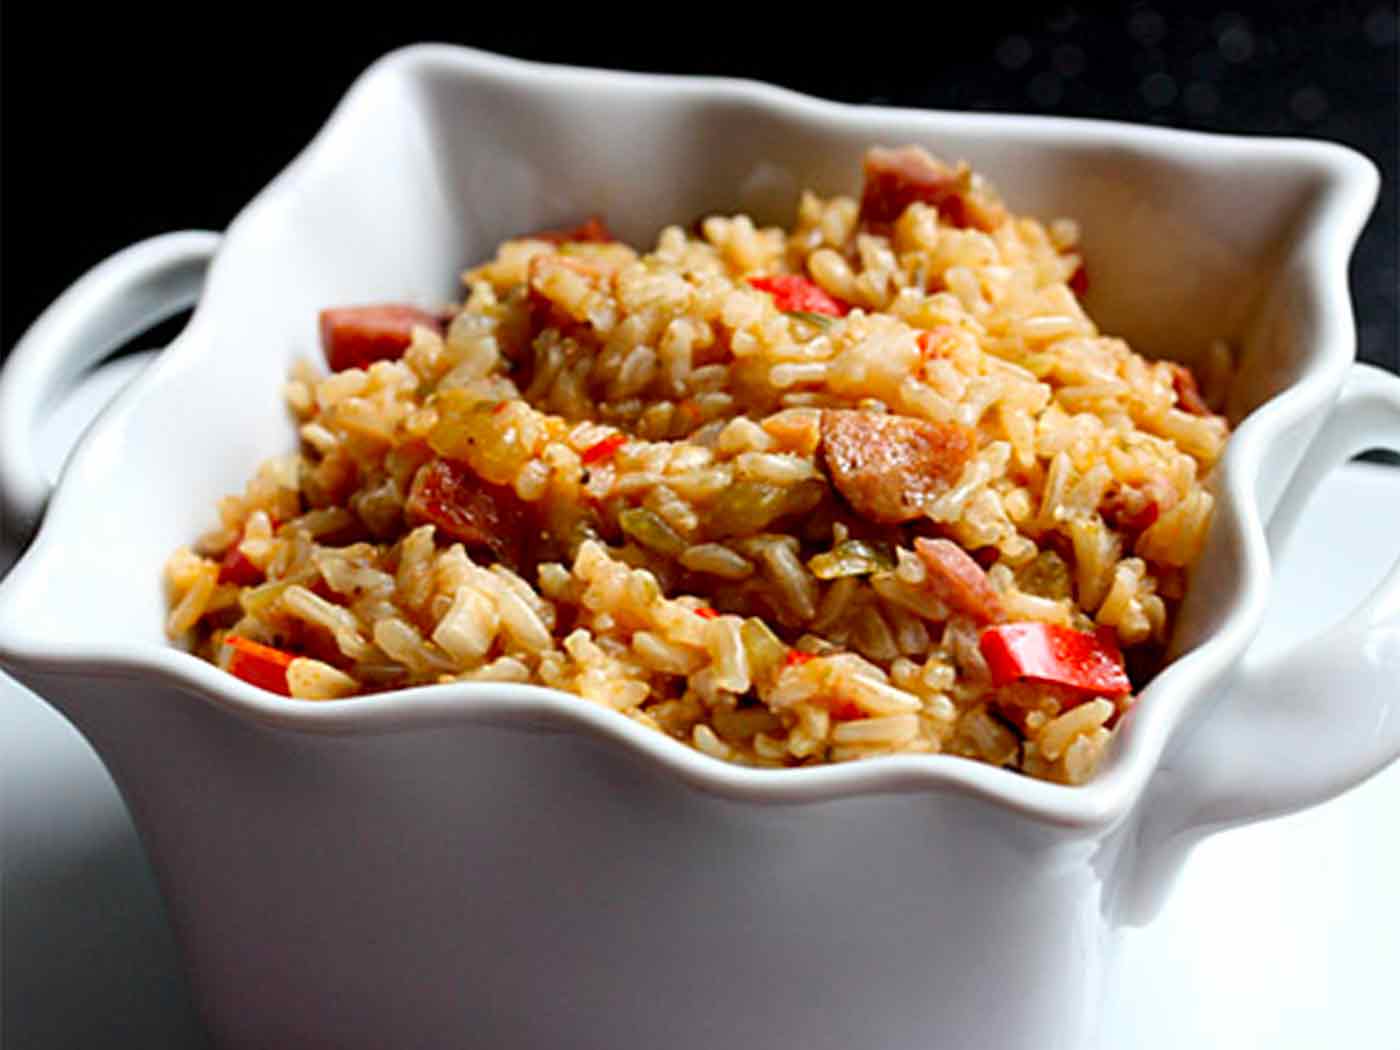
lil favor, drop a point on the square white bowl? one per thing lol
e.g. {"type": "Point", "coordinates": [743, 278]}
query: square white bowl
{"type": "Point", "coordinates": [434, 156]}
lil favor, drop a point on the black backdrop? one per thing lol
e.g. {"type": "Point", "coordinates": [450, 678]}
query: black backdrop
{"type": "Point", "coordinates": [131, 121]}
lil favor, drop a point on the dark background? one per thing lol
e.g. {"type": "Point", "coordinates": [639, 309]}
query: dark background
{"type": "Point", "coordinates": [129, 122]}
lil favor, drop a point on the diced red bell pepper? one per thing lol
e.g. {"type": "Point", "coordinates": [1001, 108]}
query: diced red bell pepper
{"type": "Point", "coordinates": [236, 568]}
{"type": "Point", "coordinates": [793, 293]}
{"type": "Point", "coordinates": [603, 449]}
{"type": "Point", "coordinates": [706, 613]}
{"type": "Point", "coordinates": [843, 710]}
{"type": "Point", "coordinates": [358, 336]}
{"type": "Point", "coordinates": [260, 665]}
{"type": "Point", "coordinates": [1079, 280]}
{"type": "Point", "coordinates": [796, 658]}
{"type": "Point", "coordinates": [1050, 653]}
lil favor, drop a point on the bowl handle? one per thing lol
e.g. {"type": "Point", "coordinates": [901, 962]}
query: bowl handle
{"type": "Point", "coordinates": [116, 300]}
{"type": "Point", "coordinates": [1298, 727]}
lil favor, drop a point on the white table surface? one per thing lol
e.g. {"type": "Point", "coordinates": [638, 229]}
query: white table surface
{"type": "Point", "coordinates": [1283, 935]}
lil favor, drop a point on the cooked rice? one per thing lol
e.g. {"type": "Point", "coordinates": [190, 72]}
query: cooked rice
{"type": "Point", "coordinates": [669, 535]}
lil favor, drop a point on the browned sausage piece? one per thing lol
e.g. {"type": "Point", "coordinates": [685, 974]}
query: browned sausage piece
{"type": "Point", "coordinates": [896, 178]}
{"type": "Point", "coordinates": [958, 581]}
{"type": "Point", "coordinates": [466, 508]}
{"type": "Point", "coordinates": [890, 468]}
{"type": "Point", "coordinates": [358, 336]}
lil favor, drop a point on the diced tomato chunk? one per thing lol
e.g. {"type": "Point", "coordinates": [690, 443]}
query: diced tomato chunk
{"type": "Point", "coordinates": [258, 664]}
{"type": "Point", "coordinates": [451, 497]}
{"type": "Point", "coordinates": [604, 449]}
{"type": "Point", "coordinates": [793, 293]}
{"type": "Point", "coordinates": [358, 336]}
{"type": "Point", "coordinates": [591, 231]}
{"type": "Point", "coordinates": [1046, 652]}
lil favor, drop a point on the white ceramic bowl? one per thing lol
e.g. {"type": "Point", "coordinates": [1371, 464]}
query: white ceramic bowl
{"type": "Point", "coordinates": [496, 865]}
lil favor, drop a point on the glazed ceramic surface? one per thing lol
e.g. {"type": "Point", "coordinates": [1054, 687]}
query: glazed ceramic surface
{"type": "Point", "coordinates": [496, 865]}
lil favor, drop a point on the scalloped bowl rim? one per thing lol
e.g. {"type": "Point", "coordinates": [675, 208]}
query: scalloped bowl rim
{"type": "Point", "coordinates": [1352, 185]}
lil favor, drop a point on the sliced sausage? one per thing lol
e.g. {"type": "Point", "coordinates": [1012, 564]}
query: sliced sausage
{"type": "Point", "coordinates": [358, 336]}
{"type": "Point", "coordinates": [958, 581]}
{"type": "Point", "coordinates": [475, 512]}
{"type": "Point", "coordinates": [889, 467]}
{"type": "Point", "coordinates": [896, 178]}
